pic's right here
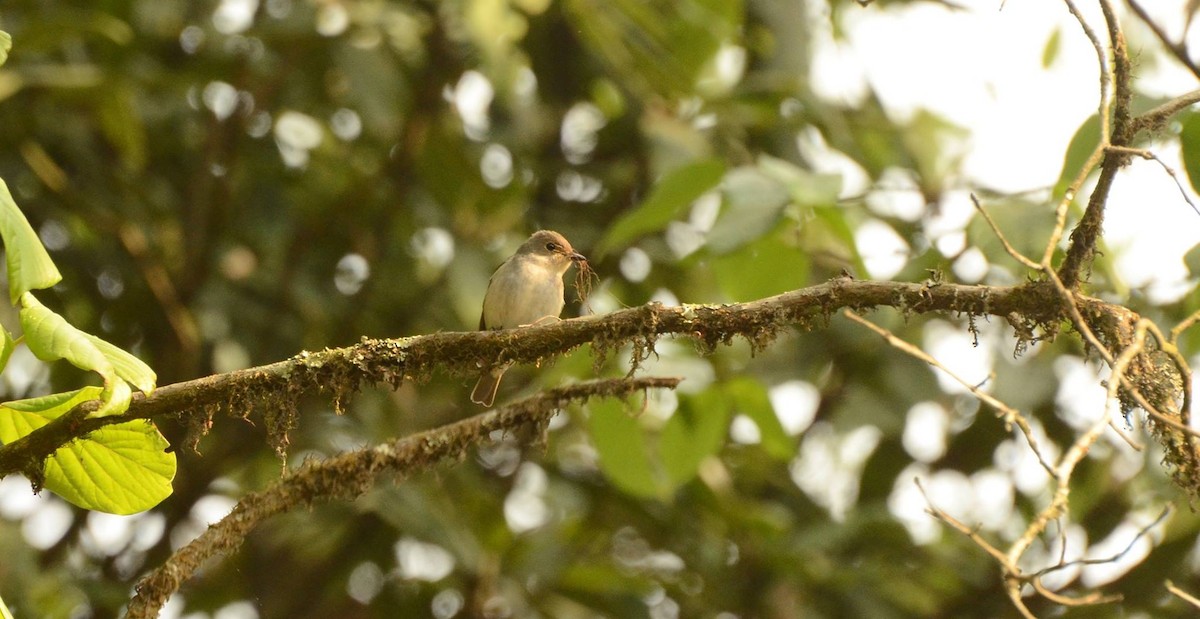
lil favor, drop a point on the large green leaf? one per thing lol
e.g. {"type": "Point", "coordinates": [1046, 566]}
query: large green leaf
{"type": "Point", "coordinates": [1189, 147]}
{"type": "Point", "coordinates": [670, 196]}
{"type": "Point", "coordinates": [805, 187]}
{"type": "Point", "coordinates": [696, 431]}
{"type": "Point", "coordinates": [29, 265]}
{"type": "Point", "coordinates": [752, 205]}
{"type": "Point", "coordinates": [750, 398]}
{"type": "Point", "coordinates": [742, 278]}
{"type": "Point", "coordinates": [50, 337]}
{"type": "Point", "coordinates": [756, 196]}
{"type": "Point", "coordinates": [621, 444]}
{"type": "Point", "coordinates": [120, 469]}
{"type": "Point", "coordinates": [830, 232]}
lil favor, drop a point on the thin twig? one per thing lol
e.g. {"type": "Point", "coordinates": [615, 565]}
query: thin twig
{"type": "Point", "coordinates": [1116, 128]}
{"type": "Point", "coordinates": [970, 532]}
{"type": "Point", "coordinates": [1012, 251]}
{"type": "Point", "coordinates": [1104, 112]}
{"type": "Point", "coordinates": [1064, 204]}
{"type": "Point", "coordinates": [1009, 414]}
{"type": "Point", "coordinates": [1012, 587]}
{"type": "Point", "coordinates": [1124, 436]}
{"type": "Point", "coordinates": [1078, 318]}
{"type": "Point", "coordinates": [1145, 154]}
{"type": "Point", "coordinates": [1183, 595]}
{"type": "Point", "coordinates": [1142, 532]}
{"type": "Point", "coordinates": [1011, 572]}
{"type": "Point", "coordinates": [1062, 476]}
{"type": "Point", "coordinates": [1184, 325]}
{"type": "Point", "coordinates": [1106, 72]}
{"type": "Point", "coordinates": [1089, 599]}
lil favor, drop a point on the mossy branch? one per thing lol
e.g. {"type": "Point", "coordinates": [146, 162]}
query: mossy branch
{"type": "Point", "coordinates": [275, 389]}
{"type": "Point", "coordinates": [349, 475]}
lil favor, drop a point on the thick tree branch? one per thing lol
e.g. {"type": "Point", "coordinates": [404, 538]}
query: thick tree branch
{"type": "Point", "coordinates": [349, 475]}
{"type": "Point", "coordinates": [276, 388]}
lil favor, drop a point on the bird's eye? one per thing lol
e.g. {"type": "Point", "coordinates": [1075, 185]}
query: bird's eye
{"type": "Point", "coordinates": [552, 246]}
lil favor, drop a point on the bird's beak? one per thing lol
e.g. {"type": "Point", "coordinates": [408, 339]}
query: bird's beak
{"type": "Point", "coordinates": [577, 257]}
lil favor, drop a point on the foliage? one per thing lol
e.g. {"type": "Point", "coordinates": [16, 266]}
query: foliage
{"type": "Point", "coordinates": [122, 469]}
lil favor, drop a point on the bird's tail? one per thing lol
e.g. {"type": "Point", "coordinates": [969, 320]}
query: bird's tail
{"type": "Point", "coordinates": [485, 388]}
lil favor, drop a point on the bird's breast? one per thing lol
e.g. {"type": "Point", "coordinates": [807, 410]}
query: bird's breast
{"type": "Point", "coordinates": [521, 296]}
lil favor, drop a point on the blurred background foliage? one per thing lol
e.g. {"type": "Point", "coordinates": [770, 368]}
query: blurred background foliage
{"type": "Point", "coordinates": [224, 184]}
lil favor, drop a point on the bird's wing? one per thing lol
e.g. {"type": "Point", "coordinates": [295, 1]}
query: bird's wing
{"type": "Point", "coordinates": [483, 325]}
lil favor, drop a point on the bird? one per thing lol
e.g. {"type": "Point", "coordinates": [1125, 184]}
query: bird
{"type": "Point", "coordinates": [526, 289]}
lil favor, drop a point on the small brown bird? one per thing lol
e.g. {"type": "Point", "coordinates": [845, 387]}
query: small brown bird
{"type": "Point", "coordinates": [526, 289]}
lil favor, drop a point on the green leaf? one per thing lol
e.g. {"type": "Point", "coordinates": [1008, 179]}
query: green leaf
{"type": "Point", "coordinates": [1050, 51]}
{"type": "Point", "coordinates": [753, 204]}
{"type": "Point", "coordinates": [1191, 260]}
{"type": "Point", "coordinates": [1189, 147]}
{"type": "Point", "coordinates": [750, 398]}
{"type": "Point", "coordinates": [4, 612]}
{"type": "Point", "coordinates": [20, 417]}
{"type": "Point", "coordinates": [1084, 142]}
{"type": "Point", "coordinates": [50, 337]}
{"type": "Point", "coordinates": [830, 232]}
{"type": "Point", "coordinates": [29, 265]}
{"type": "Point", "coordinates": [696, 431]}
{"type": "Point", "coordinates": [1013, 217]}
{"type": "Point", "coordinates": [127, 366]}
{"type": "Point", "coordinates": [806, 188]}
{"type": "Point", "coordinates": [5, 47]}
{"type": "Point", "coordinates": [608, 97]}
{"type": "Point", "coordinates": [742, 278]}
{"type": "Point", "coordinates": [117, 111]}
{"type": "Point", "coordinates": [670, 196]}
{"type": "Point", "coordinates": [114, 400]}
{"type": "Point", "coordinates": [120, 469]}
{"type": "Point", "coordinates": [621, 445]}
{"type": "Point", "coordinates": [937, 146]}
{"type": "Point", "coordinates": [6, 348]}
{"type": "Point", "coordinates": [755, 197]}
